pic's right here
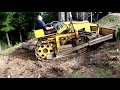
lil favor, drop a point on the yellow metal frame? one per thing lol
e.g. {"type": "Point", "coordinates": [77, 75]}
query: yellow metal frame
{"type": "Point", "coordinates": [86, 25]}
{"type": "Point", "coordinates": [39, 33]}
{"type": "Point", "coordinates": [74, 28]}
{"type": "Point", "coordinates": [62, 35]}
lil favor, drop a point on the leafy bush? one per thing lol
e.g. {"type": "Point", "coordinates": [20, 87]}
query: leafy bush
{"type": "Point", "coordinates": [102, 73]}
{"type": "Point", "coordinates": [110, 19]}
{"type": "Point", "coordinates": [118, 33]}
{"type": "Point", "coordinates": [48, 16]}
{"type": "Point", "coordinates": [78, 74]}
{"type": "Point", "coordinates": [31, 35]}
{"type": "Point", "coordinates": [3, 44]}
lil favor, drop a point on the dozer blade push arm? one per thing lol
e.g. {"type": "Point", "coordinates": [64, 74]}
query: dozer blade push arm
{"type": "Point", "coordinates": [92, 42]}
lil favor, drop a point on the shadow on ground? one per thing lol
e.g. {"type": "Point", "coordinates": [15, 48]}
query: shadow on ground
{"type": "Point", "coordinates": [24, 54]}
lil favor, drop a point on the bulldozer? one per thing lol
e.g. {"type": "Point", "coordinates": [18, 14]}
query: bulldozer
{"type": "Point", "coordinates": [69, 37]}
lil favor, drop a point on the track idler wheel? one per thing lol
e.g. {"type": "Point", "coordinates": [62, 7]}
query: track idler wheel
{"type": "Point", "coordinates": [44, 51]}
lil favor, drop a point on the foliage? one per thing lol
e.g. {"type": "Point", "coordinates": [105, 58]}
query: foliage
{"type": "Point", "coordinates": [48, 16]}
{"type": "Point", "coordinates": [102, 73]}
{"type": "Point", "coordinates": [118, 33]}
{"type": "Point", "coordinates": [109, 20]}
{"type": "Point", "coordinates": [14, 22]}
{"type": "Point", "coordinates": [78, 74]}
{"type": "Point", "coordinates": [3, 45]}
{"type": "Point", "coordinates": [31, 35]}
{"type": "Point", "coordinates": [6, 21]}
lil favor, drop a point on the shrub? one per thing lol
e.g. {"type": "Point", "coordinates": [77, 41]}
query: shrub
{"type": "Point", "coordinates": [118, 33]}
{"type": "Point", "coordinates": [108, 20]}
{"type": "Point", "coordinates": [31, 35]}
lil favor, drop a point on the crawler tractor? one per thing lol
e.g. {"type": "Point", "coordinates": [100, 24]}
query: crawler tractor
{"type": "Point", "coordinates": [67, 36]}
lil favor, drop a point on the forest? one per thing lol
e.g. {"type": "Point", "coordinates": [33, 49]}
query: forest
{"type": "Point", "coordinates": [16, 27]}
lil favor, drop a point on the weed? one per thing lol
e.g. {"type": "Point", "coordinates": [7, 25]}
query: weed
{"type": "Point", "coordinates": [109, 20]}
{"type": "Point", "coordinates": [103, 73]}
{"type": "Point", "coordinates": [118, 32]}
{"type": "Point", "coordinates": [78, 74]}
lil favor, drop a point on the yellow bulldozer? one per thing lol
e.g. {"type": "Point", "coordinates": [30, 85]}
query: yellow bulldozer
{"type": "Point", "coordinates": [69, 37]}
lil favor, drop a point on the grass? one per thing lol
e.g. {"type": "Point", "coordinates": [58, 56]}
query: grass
{"type": "Point", "coordinates": [109, 20]}
{"type": "Point", "coordinates": [118, 32]}
{"type": "Point", "coordinates": [30, 35]}
{"type": "Point", "coordinates": [103, 73]}
{"type": "Point", "coordinates": [105, 69]}
{"type": "Point", "coordinates": [6, 50]}
{"type": "Point", "coordinates": [3, 44]}
{"type": "Point", "coordinates": [78, 74]}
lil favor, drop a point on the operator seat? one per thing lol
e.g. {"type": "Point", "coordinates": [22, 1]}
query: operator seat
{"type": "Point", "coordinates": [47, 32]}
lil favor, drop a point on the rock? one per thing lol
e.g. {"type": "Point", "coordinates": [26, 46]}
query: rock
{"type": "Point", "coordinates": [39, 76]}
{"type": "Point", "coordinates": [8, 76]}
{"type": "Point", "coordinates": [25, 45]}
{"type": "Point", "coordinates": [29, 45]}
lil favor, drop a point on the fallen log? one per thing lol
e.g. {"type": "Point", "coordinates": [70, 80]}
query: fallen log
{"type": "Point", "coordinates": [30, 45]}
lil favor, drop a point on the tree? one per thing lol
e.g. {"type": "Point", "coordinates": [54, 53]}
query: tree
{"type": "Point", "coordinates": [19, 22]}
{"type": "Point", "coordinates": [61, 16]}
{"type": "Point", "coordinates": [24, 23]}
{"type": "Point", "coordinates": [6, 21]}
{"type": "Point", "coordinates": [48, 16]}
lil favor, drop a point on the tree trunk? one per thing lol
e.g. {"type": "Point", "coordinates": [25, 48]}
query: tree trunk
{"type": "Point", "coordinates": [91, 16]}
{"type": "Point", "coordinates": [83, 16]}
{"type": "Point", "coordinates": [20, 36]}
{"type": "Point", "coordinates": [8, 40]}
{"type": "Point", "coordinates": [0, 46]}
{"type": "Point", "coordinates": [61, 16]}
{"type": "Point", "coordinates": [33, 20]}
{"type": "Point", "coordinates": [67, 18]}
{"type": "Point", "coordinates": [109, 12]}
{"type": "Point", "coordinates": [77, 14]}
{"type": "Point", "coordinates": [97, 16]}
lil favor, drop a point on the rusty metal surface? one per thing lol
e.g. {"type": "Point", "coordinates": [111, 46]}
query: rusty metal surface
{"type": "Point", "coordinates": [101, 39]}
{"type": "Point", "coordinates": [106, 31]}
{"type": "Point", "coordinates": [92, 42]}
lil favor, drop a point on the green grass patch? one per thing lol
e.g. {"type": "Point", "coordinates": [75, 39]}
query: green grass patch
{"type": "Point", "coordinates": [4, 45]}
{"type": "Point", "coordinates": [7, 51]}
{"type": "Point", "coordinates": [109, 20]}
{"type": "Point", "coordinates": [118, 32]}
{"type": "Point", "coordinates": [30, 35]}
{"type": "Point", "coordinates": [103, 73]}
{"type": "Point", "coordinates": [78, 74]}
{"type": "Point", "coordinates": [115, 65]}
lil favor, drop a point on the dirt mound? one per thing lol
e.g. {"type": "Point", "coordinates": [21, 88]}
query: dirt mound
{"type": "Point", "coordinates": [24, 54]}
{"type": "Point", "coordinates": [110, 21]}
{"type": "Point", "coordinates": [22, 64]}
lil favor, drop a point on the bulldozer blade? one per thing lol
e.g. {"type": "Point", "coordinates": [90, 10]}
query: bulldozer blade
{"type": "Point", "coordinates": [92, 42]}
{"type": "Point", "coordinates": [106, 31]}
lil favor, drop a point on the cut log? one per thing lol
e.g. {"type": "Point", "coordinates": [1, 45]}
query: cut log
{"type": "Point", "coordinates": [29, 45]}
{"type": "Point", "coordinates": [25, 45]}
